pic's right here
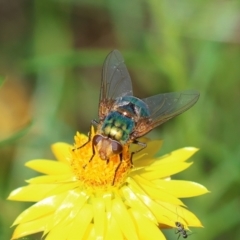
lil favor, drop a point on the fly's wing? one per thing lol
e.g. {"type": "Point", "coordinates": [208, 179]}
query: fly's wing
{"type": "Point", "coordinates": [163, 107]}
{"type": "Point", "coordinates": [116, 82]}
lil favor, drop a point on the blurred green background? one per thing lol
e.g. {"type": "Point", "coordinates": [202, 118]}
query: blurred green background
{"type": "Point", "coordinates": [51, 54]}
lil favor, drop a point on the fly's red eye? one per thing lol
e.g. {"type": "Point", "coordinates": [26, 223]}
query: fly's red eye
{"type": "Point", "coordinates": [97, 139]}
{"type": "Point", "coordinates": [116, 147]}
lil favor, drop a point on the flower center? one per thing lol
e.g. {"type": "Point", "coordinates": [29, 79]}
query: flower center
{"type": "Point", "coordinates": [95, 173]}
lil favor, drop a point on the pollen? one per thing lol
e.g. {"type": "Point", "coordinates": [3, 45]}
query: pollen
{"type": "Point", "coordinates": [94, 173]}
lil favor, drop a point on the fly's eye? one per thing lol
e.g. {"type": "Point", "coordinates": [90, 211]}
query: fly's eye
{"type": "Point", "coordinates": [116, 147]}
{"type": "Point", "coordinates": [97, 139]}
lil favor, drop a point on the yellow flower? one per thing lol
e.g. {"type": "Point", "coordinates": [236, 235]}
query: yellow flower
{"type": "Point", "coordinates": [82, 199]}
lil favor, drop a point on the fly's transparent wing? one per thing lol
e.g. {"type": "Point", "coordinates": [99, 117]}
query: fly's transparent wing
{"type": "Point", "coordinates": [168, 105]}
{"type": "Point", "coordinates": [163, 107]}
{"type": "Point", "coordinates": [116, 82]}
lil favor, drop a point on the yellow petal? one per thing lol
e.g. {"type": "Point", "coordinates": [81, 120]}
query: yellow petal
{"type": "Point", "coordinates": [62, 151]}
{"type": "Point", "coordinates": [160, 211]}
{"type": "Point", "coordinates": [179, 214]}
{"type": "Point", "coordinates": [108, 200]}
{"type": "Point", "coordinates": [30, 227]}
{"type": "Point", "coordinates": [123, 219]}
{"type": "Point", "coordinates": [65, 211]}
{"type": "Point", "coordinates": [189, 217]}
{"type": "Point", "coordinates": [52, 179]}
{"type": "Point", "coordinates": [31, 193]}
{"type": "Point", "coordinates": [179, 155]}
{"type": "Point", "coordinates": [78, 218]}
{"type": "Point", "coordinates": [163, 170]}
{"type": "Point", "coordinates": [157, 193]}
{"type": "Point", "coordinates": [151, 149]}
{"type": "Point", "coordinates": [99, 217]}
{"type": "Point", "coordinates": [48, 166]}
{"type": "Point", "coordinates": [113, 230]}
{"type": "Point", "coordinates": [164, 212]}
{"type": "Point", "coordinates": [81, 222]}
{"type": "Point", "coordinates": [58, 232]}
{"type": "Point", "coordinates": [90, 233]}
{"type": "Point", "coordinates": [40, 209]}
{"type": "Point", "coordinates": [60, 188]}
{"type": "Point", "coordinates": [63, 228]}
{"type": "Point", "coordinates": [147, 229]}
{"type": "Point", "coordinates": [134, 202]}
{"type": "Point", "coordinates": [181, 189]}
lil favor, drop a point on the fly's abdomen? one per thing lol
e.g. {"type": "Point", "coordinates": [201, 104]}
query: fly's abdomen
{"type": "Point", "coordinates": [117, 126]}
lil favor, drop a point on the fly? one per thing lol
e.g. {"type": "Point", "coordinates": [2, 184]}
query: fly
{"type": "Point", "coordinates": [124, 118]}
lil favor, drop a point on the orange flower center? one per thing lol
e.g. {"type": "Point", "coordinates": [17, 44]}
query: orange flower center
{"type": "Point", "coordinates": [95, 173]}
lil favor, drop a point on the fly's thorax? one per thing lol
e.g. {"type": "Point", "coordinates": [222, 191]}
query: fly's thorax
{"type": "Point", "coordinates": [117, 126]}
{"type": "Point", "coordinates": [132, 106]}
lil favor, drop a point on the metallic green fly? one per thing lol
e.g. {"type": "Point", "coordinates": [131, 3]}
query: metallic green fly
{"type": "Point", "coordinates": [124, 118]}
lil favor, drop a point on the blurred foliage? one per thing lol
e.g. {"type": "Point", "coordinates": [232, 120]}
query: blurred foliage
{"type": "Point", "coordinates": [52, 53]}
{"type": "Point", "coordinates": [15, 136]}
{"type": "Point", "coordinates": [1, 81]}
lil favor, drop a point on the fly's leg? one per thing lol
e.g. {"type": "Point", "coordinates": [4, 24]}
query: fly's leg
{"type": "Point", "coordinates": [142, 144]}
{"type": "Point", "coordinates": [89, 139]}
{"type": "Point", "coordinates": [115, 174]}
{"type": "Point", "coordinates": [93, 154]}
{"type": "Point", "coordinates": [131, 157]}
{"type": "Point", "coordinates": [94, 122]}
